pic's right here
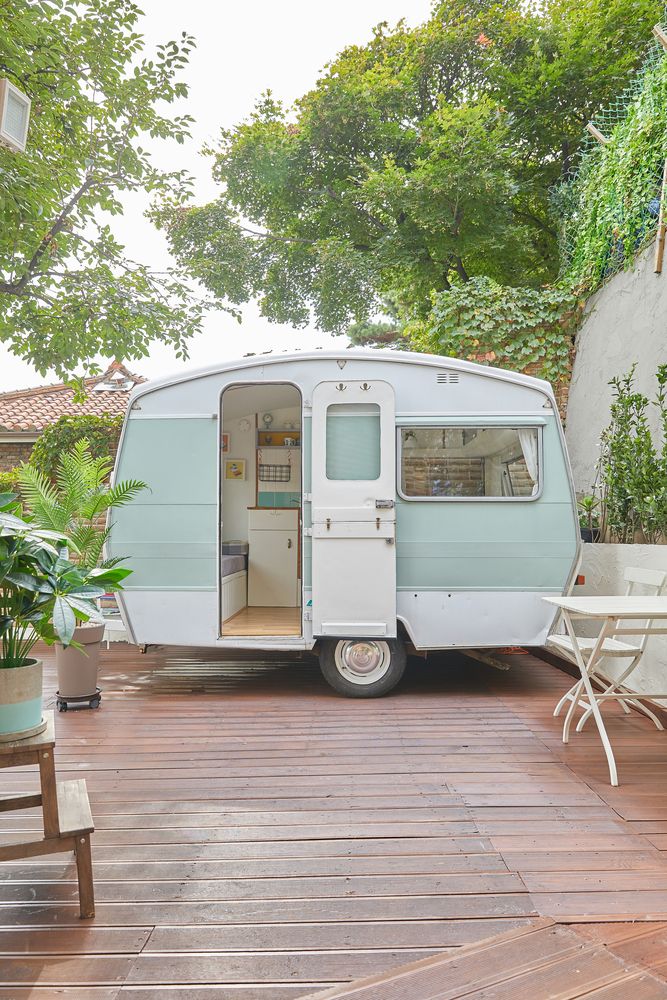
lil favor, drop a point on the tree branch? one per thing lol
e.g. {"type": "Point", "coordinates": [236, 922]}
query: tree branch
{"type": "Point", "coordinates": [18, 287]}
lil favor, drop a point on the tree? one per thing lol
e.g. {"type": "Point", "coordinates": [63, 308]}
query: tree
{"type": "Point", "coordinates": [67, 288]}
{"type": "Point", "coordinates": [418, 161]}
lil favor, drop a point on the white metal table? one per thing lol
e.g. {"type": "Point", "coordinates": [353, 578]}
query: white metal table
{"type": "Point", "coordinates": [618, 616]}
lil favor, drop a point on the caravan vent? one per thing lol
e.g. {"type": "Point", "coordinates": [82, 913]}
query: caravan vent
{"type": "Point", "coordinates": [447, 378]}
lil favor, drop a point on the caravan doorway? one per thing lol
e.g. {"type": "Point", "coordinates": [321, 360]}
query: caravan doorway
{"type": "Point", "coordinates": [261, 501]}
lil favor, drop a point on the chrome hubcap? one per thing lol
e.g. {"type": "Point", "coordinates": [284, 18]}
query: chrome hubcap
{"type": "Point", "coordinates": [362, 661]}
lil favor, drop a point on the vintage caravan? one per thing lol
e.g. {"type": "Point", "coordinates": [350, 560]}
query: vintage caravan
{"type": "Point", "coordinates": [352, 501]}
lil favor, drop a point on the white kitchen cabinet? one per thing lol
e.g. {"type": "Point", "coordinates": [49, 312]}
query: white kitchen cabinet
{"type": "Point", "coordinates": [273, 537]}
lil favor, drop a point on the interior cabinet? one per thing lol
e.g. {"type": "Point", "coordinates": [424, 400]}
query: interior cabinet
{"type": "Point", "coordinates": [273, 537]}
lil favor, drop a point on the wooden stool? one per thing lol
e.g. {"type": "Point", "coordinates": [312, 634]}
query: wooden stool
{"type": "Point", "coordinates": [68, 823]}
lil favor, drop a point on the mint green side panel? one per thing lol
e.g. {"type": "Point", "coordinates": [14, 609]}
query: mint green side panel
{"type": "Point", "coordinates": [487, 544]}
{"type": "Point", "coordinates": [169, 533]}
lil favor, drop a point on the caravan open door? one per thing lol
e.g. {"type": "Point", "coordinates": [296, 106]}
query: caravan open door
{"type": "Point", "coordinates": [353, 510]}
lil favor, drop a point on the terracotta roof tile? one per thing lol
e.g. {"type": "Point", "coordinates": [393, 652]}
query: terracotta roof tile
{"type": "Point", "coordinates": [37, 408]}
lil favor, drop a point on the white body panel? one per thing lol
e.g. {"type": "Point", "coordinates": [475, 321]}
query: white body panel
{"type": "Point", "coordinates": [473, 619]}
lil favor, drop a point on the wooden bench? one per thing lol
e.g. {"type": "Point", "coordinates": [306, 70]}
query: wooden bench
{"type": "Point", "coordinates": [67, 819]}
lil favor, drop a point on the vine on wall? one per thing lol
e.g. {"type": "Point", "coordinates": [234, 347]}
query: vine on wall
{"type": "Point", "coordinates": [609, 211]}
{"type": "Point", "coordinates": [514, 328]}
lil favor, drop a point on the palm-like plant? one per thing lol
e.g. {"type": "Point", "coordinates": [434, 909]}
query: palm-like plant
{"type": "Point", "coordinates": [76, 503]}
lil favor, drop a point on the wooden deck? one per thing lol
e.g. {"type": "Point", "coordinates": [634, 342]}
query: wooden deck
{"type": "Point", "coordinates": [259, 838]}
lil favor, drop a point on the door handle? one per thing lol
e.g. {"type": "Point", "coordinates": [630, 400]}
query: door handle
{"type": "Point", "coordinates": [289, 543]}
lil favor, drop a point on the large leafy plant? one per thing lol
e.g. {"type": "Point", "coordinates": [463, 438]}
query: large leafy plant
{"type": "Point", "coordinates": [632, 472]}
{"type": "Point", "coordinates": [42, 594]}
{"type": "Point", "coordinates": [76, 504]}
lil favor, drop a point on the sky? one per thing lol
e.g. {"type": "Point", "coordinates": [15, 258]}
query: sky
{"type": "Point", "coordinates": [243, 48]}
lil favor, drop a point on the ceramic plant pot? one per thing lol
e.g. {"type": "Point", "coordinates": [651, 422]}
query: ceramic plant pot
{"type": "Point", "coordinates": [77, 668]}
{"type": "Point", "coordinates": [21, 701]}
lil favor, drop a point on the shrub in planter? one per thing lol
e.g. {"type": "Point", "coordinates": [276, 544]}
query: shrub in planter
{"type": "Point", "coordinates": [41, 597]}
{"type": "Point", "coordinates": [76, 505]}
{"type": "Point", "coordinates": [632, 471]}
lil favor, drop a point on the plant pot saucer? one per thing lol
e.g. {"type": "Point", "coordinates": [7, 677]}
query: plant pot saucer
{"type": "Point", "coordinates": [24, 734]}
{"type": "Point", "coordinates": [78, 701]}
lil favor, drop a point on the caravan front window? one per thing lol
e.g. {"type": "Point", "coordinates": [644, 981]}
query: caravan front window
{"type": "Point", "coordinates": [469, 462]}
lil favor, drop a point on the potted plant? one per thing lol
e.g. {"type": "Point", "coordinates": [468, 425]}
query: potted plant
{"type": "Point", "coordinates": [589, 518]}
{"type": "Point", "coordinates": [76, 505]}
{"type": "Point", "coordinates": [41, 594]}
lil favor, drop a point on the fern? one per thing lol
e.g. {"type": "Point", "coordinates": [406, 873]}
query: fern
{"type": "Point", "coordinates": [78, 500]}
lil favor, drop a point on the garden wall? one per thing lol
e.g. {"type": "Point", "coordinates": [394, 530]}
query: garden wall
{"type": "Point", "coordinates": [625, 321]}
{"type": "Point", "coordinates": [603, 567]}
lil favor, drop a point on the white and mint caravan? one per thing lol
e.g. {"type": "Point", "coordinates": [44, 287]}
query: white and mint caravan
{"type": "Point", "coordinates": [352, 501]}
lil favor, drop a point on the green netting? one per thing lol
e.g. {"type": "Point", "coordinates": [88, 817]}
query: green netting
{"type": "Point", "coordinates": [609, 209]}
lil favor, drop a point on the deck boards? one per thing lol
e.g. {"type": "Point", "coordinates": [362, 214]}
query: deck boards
{"type": "Point", "coordinates": [259, 837]}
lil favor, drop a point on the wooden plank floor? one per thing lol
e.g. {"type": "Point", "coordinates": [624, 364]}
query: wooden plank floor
{"type": "Point", "coordinates": [259, 837]}
{"type": "Point", "coordinates": [545, 961]}
{"type": "Point", "coordinates": [263, 621]}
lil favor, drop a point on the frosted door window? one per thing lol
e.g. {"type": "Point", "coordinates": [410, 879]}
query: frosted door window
{"type": "Point", "coordinates": [353, 441]}
{"type": "Point", "coordinates": [469, 462]}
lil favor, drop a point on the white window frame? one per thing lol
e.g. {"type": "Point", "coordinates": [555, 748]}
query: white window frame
{"type": "Point", "coordinates": [471, 425]}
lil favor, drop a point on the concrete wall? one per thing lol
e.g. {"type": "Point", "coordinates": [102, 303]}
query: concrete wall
{"type": "Point", "coordinates": [603, 566]}
{"type": "Point", "coordinates": [626, 321]}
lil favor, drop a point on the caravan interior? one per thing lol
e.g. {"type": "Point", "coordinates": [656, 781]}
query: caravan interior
{"type": "Point", "coordinates": [261, 503]}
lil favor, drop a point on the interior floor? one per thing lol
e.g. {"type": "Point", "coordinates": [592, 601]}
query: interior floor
{"type": "Point", "coordinates": [263, 621]}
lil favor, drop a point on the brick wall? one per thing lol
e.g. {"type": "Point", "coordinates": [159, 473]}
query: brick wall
{"type": "Point", "coordinates": [13, 454]}
{"type": "Point", "coordinates": [561, 389]}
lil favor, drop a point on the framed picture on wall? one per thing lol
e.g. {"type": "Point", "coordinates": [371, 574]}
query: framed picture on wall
{"type": "Point", "coordinates": [235, 468]}
{"type": "Point", "coordinates": [225, 443]}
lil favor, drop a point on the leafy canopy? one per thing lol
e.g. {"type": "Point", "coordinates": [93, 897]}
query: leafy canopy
{"type": "Point", "coordinates": [67, 289]}
{"type": "Point", "coordinates": [418, 161]}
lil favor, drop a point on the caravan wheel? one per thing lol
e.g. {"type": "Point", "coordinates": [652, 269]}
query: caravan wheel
{"type": "Point", "coordinates": [362, 668]}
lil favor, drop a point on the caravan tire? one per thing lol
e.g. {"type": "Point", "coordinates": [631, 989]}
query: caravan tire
{"type": "Point", "coordinates": [362, 668]}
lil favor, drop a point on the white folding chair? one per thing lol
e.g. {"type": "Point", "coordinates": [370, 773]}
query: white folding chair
{"type": "Point", "coordinates": [652, 582]}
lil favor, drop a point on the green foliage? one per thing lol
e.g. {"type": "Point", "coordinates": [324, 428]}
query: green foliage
{"type": "Point", "coordinates": [101, 433]}
{"type": "Point", "coordinates": [509, 327]}
{"type": "Point", "coordinates": [378, 334]}
{"type": "Point", "coordinates": [632, 471]}
{"type": "Point", "coordinates": [78, 501]}
{"type": "Point", "coordinates": [9, 481]}
{"type": "Point", "coordinates": [589, 513]}
{"type": "Point", "coordinates": [42, 594]}
{"type": "Point", "coordinates": [610, 209]}
{"type": "Point", "coordinates": [418, 161]}
{"type": "Point", "coordinates": [67, 289]}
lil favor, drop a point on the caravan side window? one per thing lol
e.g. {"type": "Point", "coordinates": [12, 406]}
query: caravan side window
{"type": "Point", "coordinates": [469, 462]}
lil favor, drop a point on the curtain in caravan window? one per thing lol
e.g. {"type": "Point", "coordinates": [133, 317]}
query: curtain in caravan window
{"type": "Point", "coordinates": [528, 441]}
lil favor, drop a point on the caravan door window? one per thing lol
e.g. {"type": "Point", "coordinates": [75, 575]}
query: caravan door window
{"type": "Point", "coordinates": [469, 463]}
{"type": "Point", "coordinates": [353, 441]}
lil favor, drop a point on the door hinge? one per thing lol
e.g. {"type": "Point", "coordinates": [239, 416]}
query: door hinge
{"type": "Point", "coordinates": [308, 532]}
{"type": "Point", "coordinates": [307, 497]}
